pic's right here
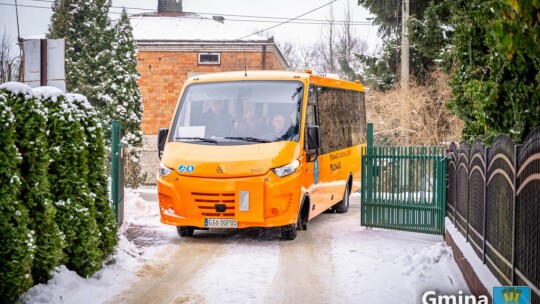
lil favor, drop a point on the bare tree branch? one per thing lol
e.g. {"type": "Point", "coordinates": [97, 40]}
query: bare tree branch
{"type": "Point", "coordinates": [10, 63]}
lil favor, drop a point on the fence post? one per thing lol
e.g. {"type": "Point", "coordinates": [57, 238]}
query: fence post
{"type": "Point", "coordinates": [117, 180]}
{"type": "Point", "coordinates": [370, 134]}
{"type": "Point", "coordinates": [468, 191]}
{"type": "Point", "coordinates": [442, 188]}
{"type": "Point", "coordinates": [486, 158]}
{"type": "Point", "coordinates": [513, 275]}
{"type": "Point", "coordinates": [370, 161]}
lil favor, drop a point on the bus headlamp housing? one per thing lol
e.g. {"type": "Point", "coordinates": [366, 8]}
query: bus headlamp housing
{"type": "Point", "coordinates": [287, 169]}
{"type": "Point", "coordinates": [164, 170]}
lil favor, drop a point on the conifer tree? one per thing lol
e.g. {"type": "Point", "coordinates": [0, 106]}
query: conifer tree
{"type": "Point", "coordinates": [428, 37]}
{"type": "Point", "coordinates": [16, 241]}
{"type": "Point", "coordinates": [32, 143]}
{"type": "Point", "coordinates": [88, 33]}
{"type": "Point", "coordinates": [61, 19]}
{"type": "Point", "coordinates": [122, 87]}
{"type": "Point", "coordinates": [97, 177]}
{"type": "Point", "coordinates": [101, 65]}
{"type": "Point", "coordinates": [68, 173]}
{"type": "Point", "coordinates": [127, 107]}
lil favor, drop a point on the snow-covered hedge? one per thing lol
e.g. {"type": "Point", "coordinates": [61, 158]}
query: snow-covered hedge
{"type": "Point", "coordinates": [97, 176]}
{"type": "Point", "coordinates": [16, 241]}
{"type": "Point", "coordinates": [54, 207]}
{"type": "Point", "coordinates": [32, 142]}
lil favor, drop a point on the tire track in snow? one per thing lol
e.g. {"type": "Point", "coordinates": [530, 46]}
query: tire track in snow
{"type": "Point", "coordinates": [306, 270]}
{"type": "Point", "coordinates": [167, 277]}
{"type": "Point", "coordinates": [242, 272]}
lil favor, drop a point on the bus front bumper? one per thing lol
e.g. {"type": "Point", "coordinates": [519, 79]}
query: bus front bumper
{"type": "Point", "coordinates": [261, 201]}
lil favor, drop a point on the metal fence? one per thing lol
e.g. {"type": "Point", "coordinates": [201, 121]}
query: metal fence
{"type": "Point", "coordinates": [493, 198]}
{"type": "Point", "coordinates": [403, 188]}
{"type": "Point", "coordinates": [117, 172]}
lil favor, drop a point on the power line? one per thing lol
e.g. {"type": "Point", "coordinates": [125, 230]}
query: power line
{"type": "Point", "coordinates": [297, 21]}
{"type": "Point", "coordinates": [42, 7]}
{"type": "Point", "coordinates": [233, 15]}
{"type": "Point", "coordinates": [258, 32]}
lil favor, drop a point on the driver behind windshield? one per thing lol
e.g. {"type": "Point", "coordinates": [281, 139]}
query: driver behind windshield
{"type": "Point", "coordinates": [217, 120]}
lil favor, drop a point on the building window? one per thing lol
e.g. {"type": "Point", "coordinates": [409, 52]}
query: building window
{"type": "Point", "coordinates": [209, 58]}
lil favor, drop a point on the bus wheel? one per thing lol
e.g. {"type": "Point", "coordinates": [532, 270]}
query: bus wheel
{"type": "Point", "coordinates": [288, 232]}
{"type": "Point", "coordinates": [343, 206]}
{"type": "Point", "coordinates": [185, 231]}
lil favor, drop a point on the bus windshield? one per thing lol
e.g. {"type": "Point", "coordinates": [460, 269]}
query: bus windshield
{"type": "Point", "coordinates": [239, 112]}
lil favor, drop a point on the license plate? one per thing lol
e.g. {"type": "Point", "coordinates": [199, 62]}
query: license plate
{"type": "Point", "coordinates": [220, 223]}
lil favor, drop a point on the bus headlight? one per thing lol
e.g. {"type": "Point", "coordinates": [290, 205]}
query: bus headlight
{"type": "Point", "coordinates": [164, 171]}
{"type": "Point", "coordinates": [287, 169]}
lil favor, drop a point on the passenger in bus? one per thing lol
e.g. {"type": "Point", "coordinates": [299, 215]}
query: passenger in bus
{"type": "Point", "coordinates": [279, 128]}
{"type": "Point", "coordinates": [218, 122]}
{"type": "Point", "coordinates": [241, 127]}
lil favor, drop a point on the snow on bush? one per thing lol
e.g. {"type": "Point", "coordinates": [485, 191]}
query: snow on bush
{"type": "Point", "coordinates": [97, 176]}
{"type": "Point", "coordinates": [54, 206]}
{"type": "Point", "coordinates": [33, 144]}
{"type": "Point", "coordinates": [68, 176]}
{"type": "Point", "coordinates": [16, 241]}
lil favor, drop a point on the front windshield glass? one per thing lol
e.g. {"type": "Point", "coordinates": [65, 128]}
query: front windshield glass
{"type": "Point", "coordinates": [240, 112]}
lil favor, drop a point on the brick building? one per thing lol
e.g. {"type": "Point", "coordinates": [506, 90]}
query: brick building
{"type": "Point", "coordinates": [174, 45]}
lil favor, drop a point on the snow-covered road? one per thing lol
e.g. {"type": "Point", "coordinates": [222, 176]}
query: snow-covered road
{"type": "Point", "coordinates": [334, 261]}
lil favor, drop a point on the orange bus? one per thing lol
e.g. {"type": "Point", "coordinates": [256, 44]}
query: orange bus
{"type": "Point", "coordinates": [260, 149]}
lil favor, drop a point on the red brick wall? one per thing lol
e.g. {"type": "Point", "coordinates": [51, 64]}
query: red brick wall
{"type": "Point", "coordinates": [164, 73]}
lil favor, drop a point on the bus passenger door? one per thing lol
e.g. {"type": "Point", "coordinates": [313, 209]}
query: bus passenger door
{"type": "Point", "coordinates": [310, 176]}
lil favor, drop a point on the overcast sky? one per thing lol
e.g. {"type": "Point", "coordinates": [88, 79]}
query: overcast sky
{"type": "Point", "coordinates": [34, 22]}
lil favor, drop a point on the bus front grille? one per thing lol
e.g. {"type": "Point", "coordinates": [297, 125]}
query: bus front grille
{"type": "Point", "coordinates": [206, 203]}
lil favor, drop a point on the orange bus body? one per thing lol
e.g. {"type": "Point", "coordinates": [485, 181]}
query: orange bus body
{"type": "Point", "coordinates": [226, 174]}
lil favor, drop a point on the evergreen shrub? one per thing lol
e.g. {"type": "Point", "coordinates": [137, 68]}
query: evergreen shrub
{"type": "Point", "coordinates": [17, 240]}
{"type": "Point", "coordinates": [68, 178]}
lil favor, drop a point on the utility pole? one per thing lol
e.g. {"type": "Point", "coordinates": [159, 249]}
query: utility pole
{"type": "Point", "coordinates": [404, 44]}
{"type": "Point", "coordinates": [405, 62]}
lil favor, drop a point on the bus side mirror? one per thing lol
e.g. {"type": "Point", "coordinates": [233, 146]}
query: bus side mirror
{"type": "Point", "coordinates": [313, 138]}
{"type": "Point", "coordinates": [162, 138]}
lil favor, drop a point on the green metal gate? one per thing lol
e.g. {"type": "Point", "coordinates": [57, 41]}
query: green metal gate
{"type": "Point", "coordinates": [404, 188]}
{"type": "Point", "coordinates": [117, 171]}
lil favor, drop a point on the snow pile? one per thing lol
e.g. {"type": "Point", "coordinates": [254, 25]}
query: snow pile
{"type": "Point", "coordinates": [68, 287]}
{"type": "Point", "coordinates": [138, 211]}
{"type": "Point", "coordinates": [419, 263]}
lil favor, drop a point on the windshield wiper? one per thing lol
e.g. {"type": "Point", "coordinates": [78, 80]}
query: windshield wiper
{"type": "Point", "coordinates": [248, 138]}
{"type": "Point", "coordinates": [210, 140]}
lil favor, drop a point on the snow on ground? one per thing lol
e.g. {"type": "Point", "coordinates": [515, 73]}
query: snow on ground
{"type": "Point", "coordinates": [370, 265]}
{"type": "Point", "coordinates": [378, 264]}
{"type": "Point", "coordinates": [68, 287]}
{"type": "Point", "coordinates": [482, 271]}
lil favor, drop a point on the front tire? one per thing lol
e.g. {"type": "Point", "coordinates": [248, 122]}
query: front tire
{"type": "Point", "coordinates": [184, 231]}
{"type": "Point", "coordinates": [289, 232]}
{"type": "Point", "coordinates": [343, 206]}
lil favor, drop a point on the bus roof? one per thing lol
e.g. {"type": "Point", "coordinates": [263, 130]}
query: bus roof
{"type": "Point", "coordinates": [277, 75]}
